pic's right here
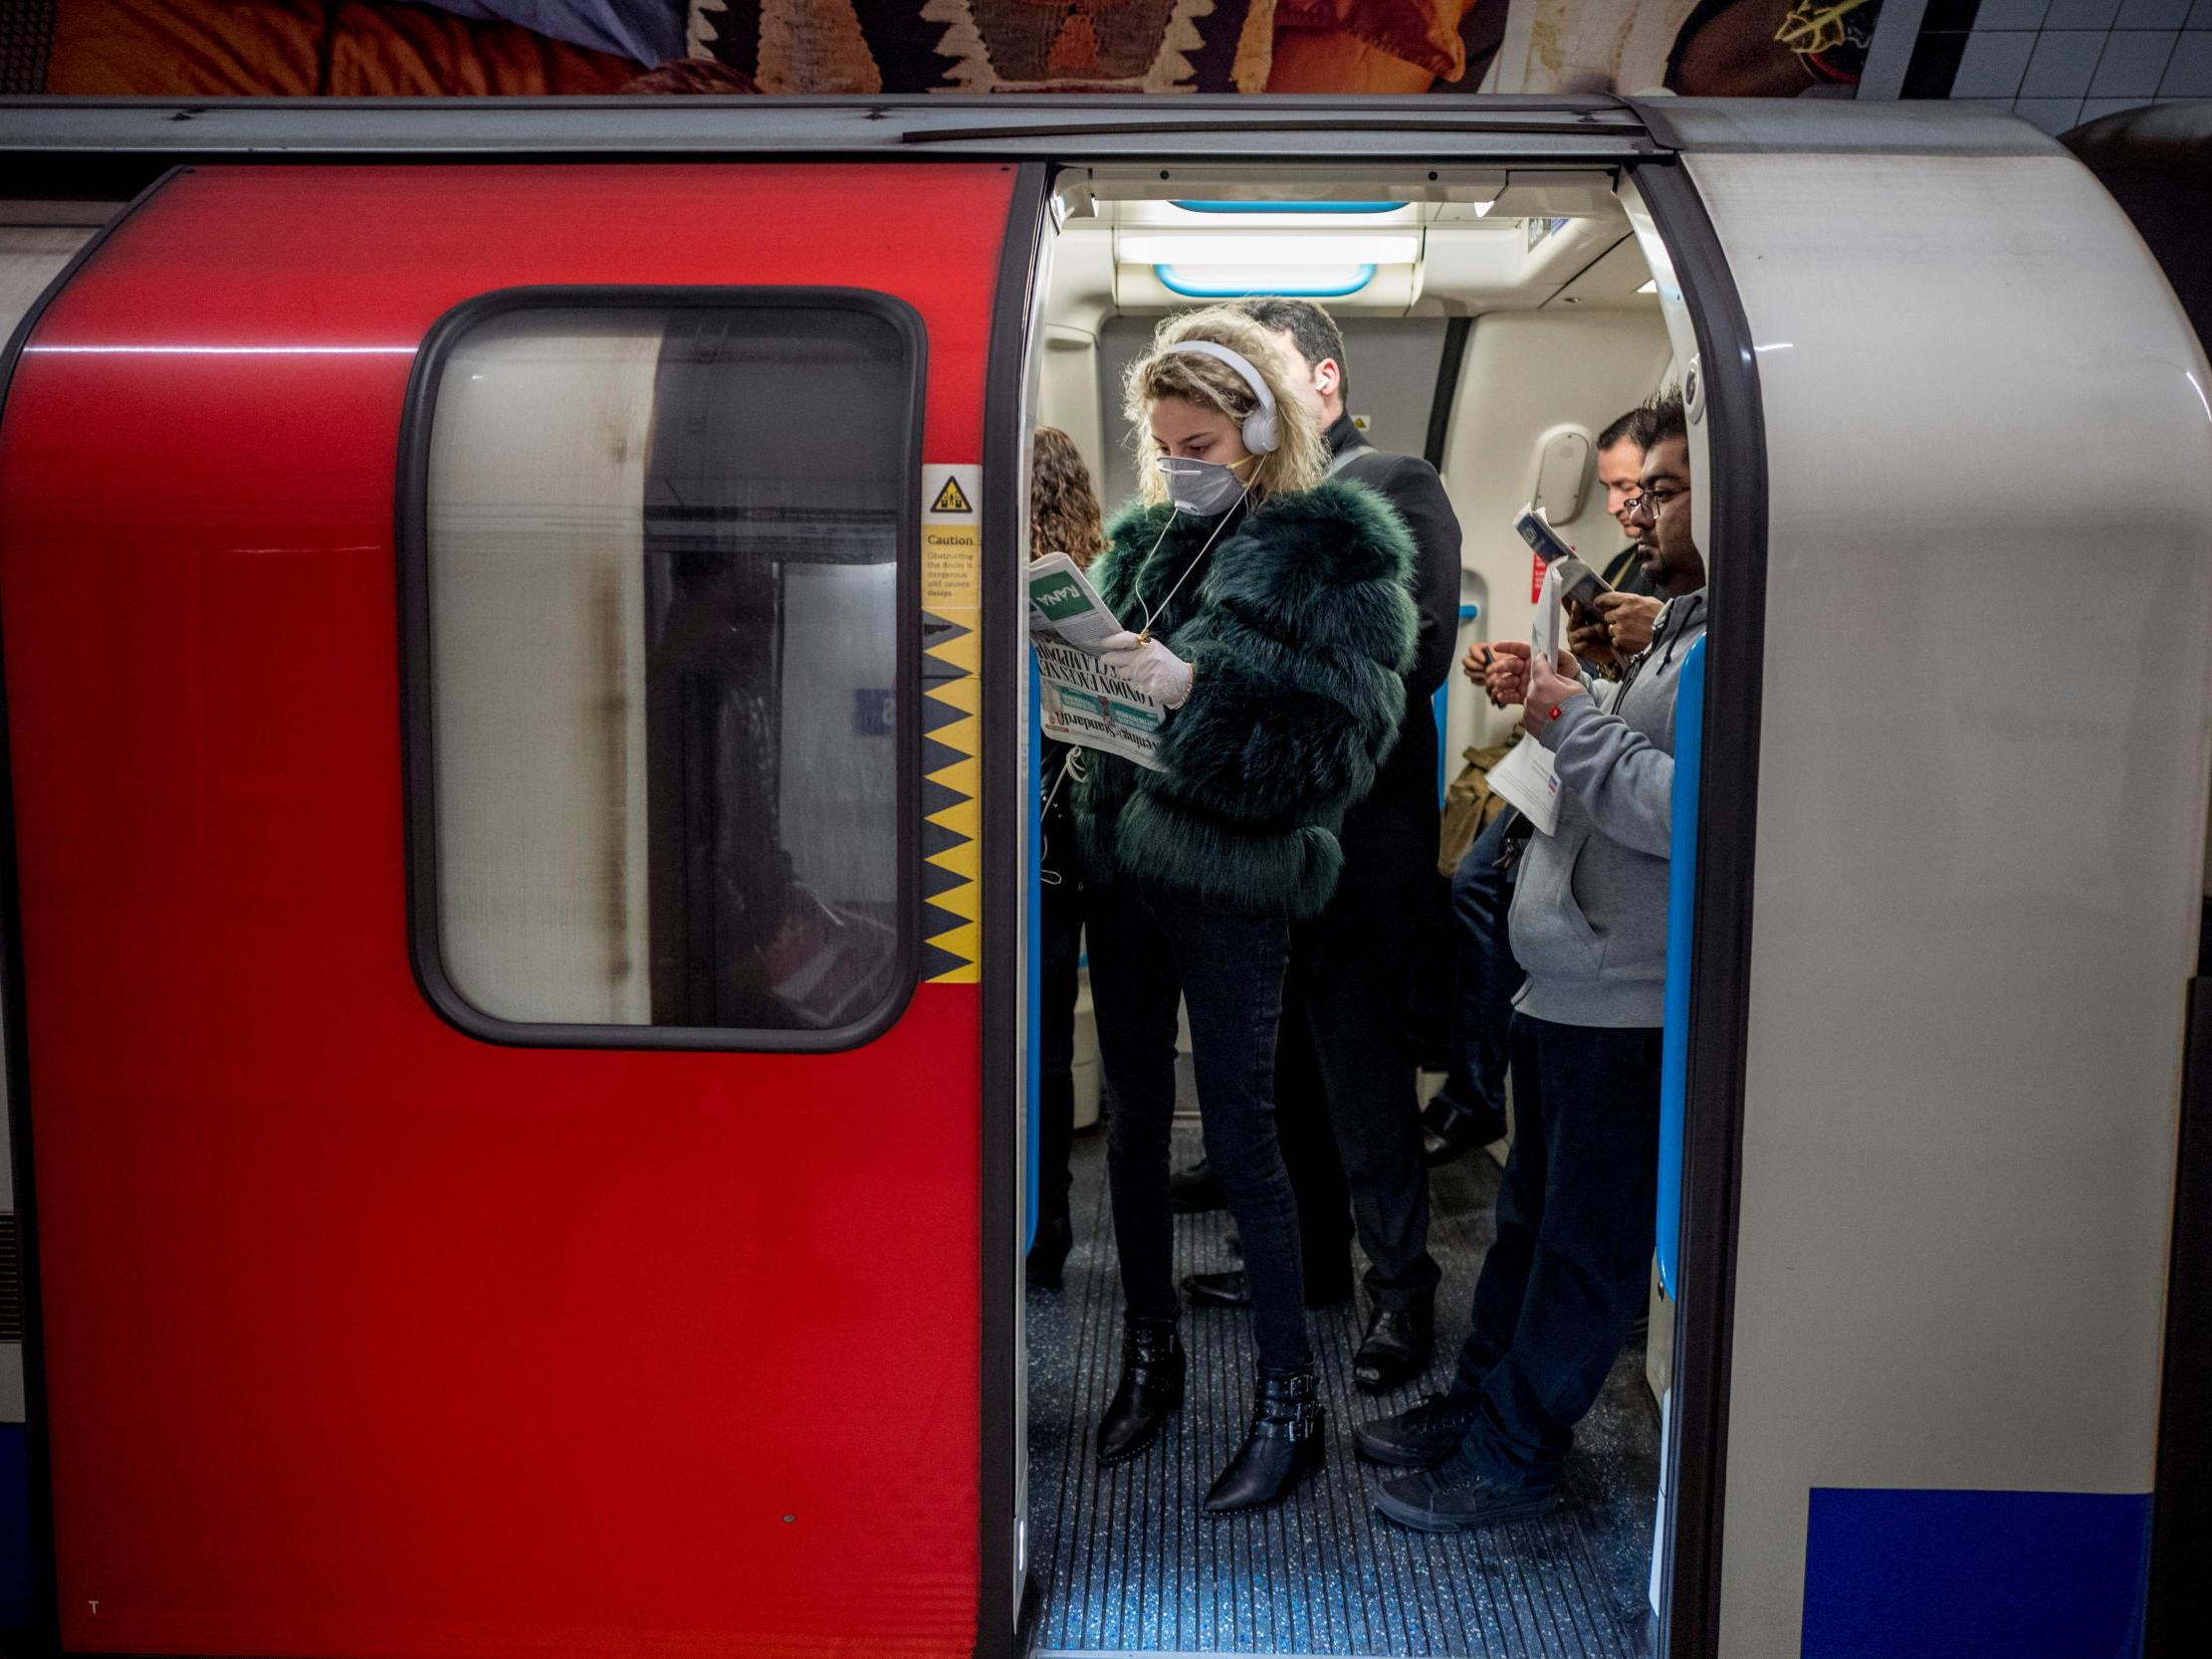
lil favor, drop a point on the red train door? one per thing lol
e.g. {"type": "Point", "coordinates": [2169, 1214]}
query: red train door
{"type": "Point", "coordinates": [508, 1167]}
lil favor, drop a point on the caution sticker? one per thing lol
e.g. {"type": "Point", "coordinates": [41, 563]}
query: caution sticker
{"type": "Point", "coordinates": [950, 497]}
{"type": "Point", "coordinates": [951, 725]}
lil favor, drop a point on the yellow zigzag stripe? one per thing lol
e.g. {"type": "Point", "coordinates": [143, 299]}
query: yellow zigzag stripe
{"type": "Point", "coordinates": [963, 774]}
{"type": "Point", "coordinates": [963, 652]}
{"type": "Point", "coordinates": [962, 819]}
{"type": "Point", "coordinates": [962, 860]}
{"type": "Point", "coordinates": [966, 942]}
{"type": "Point", "coordinates": [965, 900]}
{"type": "Point", "coordinates": [963, 736]}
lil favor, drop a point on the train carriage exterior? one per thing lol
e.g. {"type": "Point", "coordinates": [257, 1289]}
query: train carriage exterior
{"type": "Point", "coordinates": [423, 1259]}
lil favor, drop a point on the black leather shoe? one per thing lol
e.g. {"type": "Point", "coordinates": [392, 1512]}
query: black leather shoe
{"type": "Point", "coordinates": [1282, 1444]}
{"type": "Point", "coordinates": [1048, 1254]}
{"type": "Point", "coordinates": [1150, 1388]}
{"type": "Point", "coordinates": [1217, 1290]}
{"type": "Point", "coordinates": [1195, 1189]}
{"type": "Point", "coordinates": [1395, 1348]}
{"type": "Point", "coordinates": [1232, 1290]}
{"type": "Point", "coordinates": [1450, 1131]}
{"type": "Point", "coordinates": [1413, 1439]}
{"type": "Point", "coordinates": [1448, 1500]}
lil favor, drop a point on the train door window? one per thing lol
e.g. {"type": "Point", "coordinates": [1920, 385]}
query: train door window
{"type": "Point", "coordinates": [660, 777]}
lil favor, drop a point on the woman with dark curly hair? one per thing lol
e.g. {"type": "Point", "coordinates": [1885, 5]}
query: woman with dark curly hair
{"type": "Point", "coordinates": [1274, 622]}
{"type": "Point", "coordinates": [1064, 519]}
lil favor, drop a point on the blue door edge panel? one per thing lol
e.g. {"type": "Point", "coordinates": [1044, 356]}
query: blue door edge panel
{"type": "Point", "coordinates": [1032, 957]}
{"type": "Point", "coordinates": [1442, 702]}
{"type": "Point", "coordinates": [1938, 1574]}
{"type": "Point", "coordinates": [1682, 913]}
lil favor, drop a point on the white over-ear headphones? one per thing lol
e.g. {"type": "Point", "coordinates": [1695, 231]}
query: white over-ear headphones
{"type": "Point", "coordinates": [1259, 426]}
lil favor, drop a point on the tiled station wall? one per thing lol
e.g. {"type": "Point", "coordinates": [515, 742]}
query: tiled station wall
{"type": "Point", "coordinates": [2058, 63]}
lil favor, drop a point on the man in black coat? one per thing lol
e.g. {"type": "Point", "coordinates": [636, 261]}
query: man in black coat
{"type": "Point", "coordinates": [1346, 1110]}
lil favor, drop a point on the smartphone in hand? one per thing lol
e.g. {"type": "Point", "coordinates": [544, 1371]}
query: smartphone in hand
{"type": "Point", "coordinates": [1577, 581]}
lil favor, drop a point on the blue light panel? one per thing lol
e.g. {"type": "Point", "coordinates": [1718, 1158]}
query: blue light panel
{"type": "Point", "coordinates": [1194, 287]}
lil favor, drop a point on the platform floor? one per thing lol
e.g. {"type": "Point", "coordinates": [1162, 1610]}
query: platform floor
{"type": "Point", "coordinates": [1125, 1560]}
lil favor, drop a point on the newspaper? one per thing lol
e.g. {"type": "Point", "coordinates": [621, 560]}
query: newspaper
{"type": "Point", "coordinates": [1086, 703]}
{"type": "Point", "coordinates": [1525, 776]}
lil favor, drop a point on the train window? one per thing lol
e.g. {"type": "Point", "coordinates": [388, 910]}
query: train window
{"type": "Point", "coordinates": [660, 604]}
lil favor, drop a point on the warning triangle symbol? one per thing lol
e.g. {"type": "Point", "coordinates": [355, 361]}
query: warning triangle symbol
{"type": "Point", "coordinates": [951, 499]}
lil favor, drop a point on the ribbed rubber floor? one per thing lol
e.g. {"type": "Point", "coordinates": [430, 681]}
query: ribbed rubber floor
{"type": "Point", "coordinates": [1125, 1560]}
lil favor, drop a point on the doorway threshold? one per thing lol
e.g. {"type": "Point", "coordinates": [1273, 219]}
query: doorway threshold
{"type": "Point", "coordinates": [1125, 1561]}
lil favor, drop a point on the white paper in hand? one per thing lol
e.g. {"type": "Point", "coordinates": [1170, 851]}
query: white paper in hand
{"type": "Point", "coordinates": [1526, 779]}
{"type": "Point", "coordinates": [1543, 631]}
{"type": "Point", "coordinates": [1063, 602]}
{"type": "Point", "coordinates": [1083, 700]}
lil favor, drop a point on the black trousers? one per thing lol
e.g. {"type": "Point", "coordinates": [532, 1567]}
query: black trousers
{"type": "Point", "coordinates": [1060, 923]}
{"type": "Point", "coordinates": [1148, 951]}
{"type": "Point", "coordinates": [1573, 1258]}
{"type": "Point", "coordinates": [1486, 973]}
{"type": "Point", "coordinates": [1345, 1084]}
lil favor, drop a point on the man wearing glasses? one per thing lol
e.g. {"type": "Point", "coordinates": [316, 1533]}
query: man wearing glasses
{"type": "Point", "coordinates": [1564, 1282]}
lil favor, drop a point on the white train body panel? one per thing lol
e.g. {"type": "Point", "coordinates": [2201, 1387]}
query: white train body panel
{"type": "Point", "coordinates": [1982, 782]}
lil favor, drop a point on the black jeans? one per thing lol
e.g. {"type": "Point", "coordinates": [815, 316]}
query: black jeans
{"type": "Point", "coordinates": [1573, 1258]}
{"type": "Point", "coordinates": [1148, 950]}
{"type": "Point", "coordinates": [1343, 1079]}
{"type": "Point", "coordinates": [1484, 970]}
{"type": "Point", "coordinates": [1060, 923]}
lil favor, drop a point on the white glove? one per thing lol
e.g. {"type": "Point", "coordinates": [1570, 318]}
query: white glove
{"type": "Point", "coordinates": [1149, 666]}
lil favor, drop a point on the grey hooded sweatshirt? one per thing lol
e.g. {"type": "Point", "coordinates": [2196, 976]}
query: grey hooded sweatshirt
{"type": "Point", "coordinates": [1590, 906]}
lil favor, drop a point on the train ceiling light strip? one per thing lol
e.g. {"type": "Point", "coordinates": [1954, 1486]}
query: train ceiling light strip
{"type": "Point", "coordinates": [1240, 281]}
{"type": "Point", "coordinates": [1185, 249]}
{"type": "Point", "coordinates": [1288, 207]}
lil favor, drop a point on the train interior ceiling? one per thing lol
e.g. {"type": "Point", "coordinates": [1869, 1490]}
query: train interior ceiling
{"type": "Point", "coordinates": [1540, 274]}
{"type": "Point", "coordinates": [1495, 322]}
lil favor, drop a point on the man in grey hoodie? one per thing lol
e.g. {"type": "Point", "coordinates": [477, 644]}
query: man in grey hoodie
{"type": "Point", "coordinates": [1567, 1274]}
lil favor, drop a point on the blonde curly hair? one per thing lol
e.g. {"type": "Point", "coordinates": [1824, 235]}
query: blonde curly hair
{"type": "Point", "coordinates": [1300, 457]}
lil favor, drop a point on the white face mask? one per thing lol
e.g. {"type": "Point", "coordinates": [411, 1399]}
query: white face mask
{"type": "Point", "coordinates": [1204, 487]}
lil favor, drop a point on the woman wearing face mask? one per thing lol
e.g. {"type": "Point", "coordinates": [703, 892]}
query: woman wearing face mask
{"type": "Point", "coordinates": [1269, 614]}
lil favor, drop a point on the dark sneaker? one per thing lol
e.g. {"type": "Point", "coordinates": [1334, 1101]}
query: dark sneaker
{"type": "Point", "coordinates": [1448, 1500]}
{"type": "Point", "coordinates": [1413, 1439]}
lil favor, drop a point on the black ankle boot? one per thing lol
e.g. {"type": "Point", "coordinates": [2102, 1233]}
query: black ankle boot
{"type": "Point", "coordinates": [1283, 1442]}
{"type": "Point", "coordinates": [1048, 1254]}
{"type": "Point", "coordinates": [1150, 1388]}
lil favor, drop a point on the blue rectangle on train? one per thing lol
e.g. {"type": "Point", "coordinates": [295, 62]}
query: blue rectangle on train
{"type": "Point", "coordinates": [1903, 1573]}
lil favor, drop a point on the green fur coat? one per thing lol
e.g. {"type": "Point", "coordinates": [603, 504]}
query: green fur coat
{"type": "Point", "coordinates": [1297, 637]}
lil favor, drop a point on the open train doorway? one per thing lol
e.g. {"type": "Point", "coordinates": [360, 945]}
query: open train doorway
{"type": "Point", "coordinates": [1496, 325]}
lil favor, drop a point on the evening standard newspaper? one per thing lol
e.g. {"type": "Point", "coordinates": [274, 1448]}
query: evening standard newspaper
{"type": "Point", "coordinates": [1086, 703]}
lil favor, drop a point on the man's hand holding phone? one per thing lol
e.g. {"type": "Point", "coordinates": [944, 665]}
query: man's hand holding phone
{"type": "Point", "coordinates": [1589, 638]}
{"type": "Point", "coordinates": [1627, 620]}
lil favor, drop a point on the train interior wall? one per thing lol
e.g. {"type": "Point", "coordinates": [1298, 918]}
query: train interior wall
{"type": "Point", "coordinates": [1555, 340]}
